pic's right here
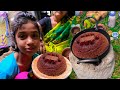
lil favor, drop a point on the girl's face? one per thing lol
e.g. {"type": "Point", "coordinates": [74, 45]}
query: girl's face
{"type": "Point", "coordinates": [60, 14]}
{"type": "Point", "coordinates": [27, 39]}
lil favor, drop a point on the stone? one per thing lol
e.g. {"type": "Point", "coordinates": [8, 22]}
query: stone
{"type": "Point", "coordinates": [90, 71]}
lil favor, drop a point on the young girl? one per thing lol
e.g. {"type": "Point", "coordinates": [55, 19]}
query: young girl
{"type": "Point", "coordinates": [26, 35]}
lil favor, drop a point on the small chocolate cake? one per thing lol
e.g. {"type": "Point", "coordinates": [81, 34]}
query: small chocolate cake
{"type": "Point", "coordinates": [90, 45]}
{"type": "Point", "coordinates": [52, 64]}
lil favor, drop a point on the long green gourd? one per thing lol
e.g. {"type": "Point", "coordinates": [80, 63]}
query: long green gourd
{"type": "Point", "coordinates": [63, 35]}
{"type": "Point", "coordinates": [57, 32]}
{"type": "Point", "coordinates": [56, 27]}
{"type": "Point", "coordinates": [54, 34]}
{"type": "Point", "coordinates": [59, 47]}
{"type": "Point", "coordinates": [48, 35]}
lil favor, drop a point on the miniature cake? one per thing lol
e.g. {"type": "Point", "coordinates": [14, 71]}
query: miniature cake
{"type": "Point", "coordinates": [90, 45]}
{"type": "Point", "coordinates": [51, 64]}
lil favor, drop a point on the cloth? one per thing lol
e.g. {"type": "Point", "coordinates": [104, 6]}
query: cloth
{"type": "Point", "coordinates": [22, 75]}
{"type": "Point", "coordinates": [9, 68]}
{"type": "Point", "coordinates": [46, 24]}
{"type": "Point", "coordinates": [4, 32]}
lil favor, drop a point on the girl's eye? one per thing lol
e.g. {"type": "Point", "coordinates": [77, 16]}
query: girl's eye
{"type": "Point", "coordinates": [35, 35]}
{"type": "Point", "coordinates": [22, 36]}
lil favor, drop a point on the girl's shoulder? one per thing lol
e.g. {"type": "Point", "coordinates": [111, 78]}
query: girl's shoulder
{"type": "Point", "coordinates": [8, 67]}
{"type": "Point", "coordinates": [8, 58]}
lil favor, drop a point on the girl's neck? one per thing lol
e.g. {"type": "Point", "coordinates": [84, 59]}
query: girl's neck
{"type": "Point", "coordinates": [23, 61]}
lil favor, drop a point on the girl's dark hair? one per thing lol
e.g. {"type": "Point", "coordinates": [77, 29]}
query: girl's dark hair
{"type": "Point", "coordinates": [67, 16]}
{"type": "Point", "coordinates": [22, 17]}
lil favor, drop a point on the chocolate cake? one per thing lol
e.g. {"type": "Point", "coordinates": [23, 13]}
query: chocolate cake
{"type": "Point", "coordinates": [51, 64]}
{"type": "Point", "coordinates": [90, 45]}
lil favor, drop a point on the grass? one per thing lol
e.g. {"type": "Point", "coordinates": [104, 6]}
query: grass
{"type": "Point", "coordinates": [116, 72]}
{"type": "Point", "coordinates": [73, 75]}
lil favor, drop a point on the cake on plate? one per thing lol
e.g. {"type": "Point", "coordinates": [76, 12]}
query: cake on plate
{"type": "Point", "coordinates": [51, 65]}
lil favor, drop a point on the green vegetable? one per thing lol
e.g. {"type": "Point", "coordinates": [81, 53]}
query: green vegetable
{"type": "Point", "coordinates": [87, 24]}
{"type": "Point", "coordinates": [63, 36]}
{"type": "Point", "coordinates": [49, 34]}
{"type": "Point", "coordinates": [52, 35]}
